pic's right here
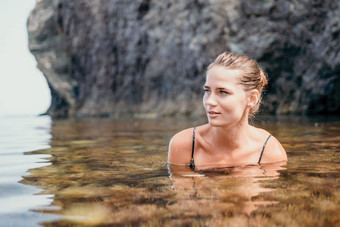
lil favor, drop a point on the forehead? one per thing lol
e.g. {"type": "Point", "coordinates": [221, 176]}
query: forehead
{"type": "Point", "coordinates": [219, 76]}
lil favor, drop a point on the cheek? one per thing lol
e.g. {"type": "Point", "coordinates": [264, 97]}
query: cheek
{"type": "Point", "coordinates": [204, 99]}
{"type": "Point", "coordinates": [234, 104]}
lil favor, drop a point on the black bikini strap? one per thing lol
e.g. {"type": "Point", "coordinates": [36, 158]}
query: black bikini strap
{"type": "Point", "coordinates": [192, 162]}
{"type": "Point", "coordinates": [264, 146]}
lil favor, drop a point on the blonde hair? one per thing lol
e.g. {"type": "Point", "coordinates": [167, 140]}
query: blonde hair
{"type": "Point", "coordinates": [253, 77]}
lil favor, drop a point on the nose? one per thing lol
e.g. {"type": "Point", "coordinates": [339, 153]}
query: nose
{"type": "Point", "coordinates": [209, 100]}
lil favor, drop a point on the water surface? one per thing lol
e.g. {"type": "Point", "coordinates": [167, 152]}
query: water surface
{"type": "Point", "coordinates": [113, 172]}
{"type": "Point", "coordinates": [19, 135]}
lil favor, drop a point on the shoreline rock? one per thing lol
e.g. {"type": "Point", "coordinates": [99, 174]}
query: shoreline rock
{"type": "Point", "coordinates": [146, 56]}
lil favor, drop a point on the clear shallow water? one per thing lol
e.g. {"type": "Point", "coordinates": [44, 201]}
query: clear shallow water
{"type": "Point", "coordinates": [19, 135]}
{"type": "Point", "coordinates": [113, 172]}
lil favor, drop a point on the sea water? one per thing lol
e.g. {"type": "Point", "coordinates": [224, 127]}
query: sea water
{"type": "Point", "coordinates": [115, 172]}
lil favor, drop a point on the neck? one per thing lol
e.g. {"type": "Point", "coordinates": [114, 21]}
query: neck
{"type": "Point", "coordinates": [231, 137]}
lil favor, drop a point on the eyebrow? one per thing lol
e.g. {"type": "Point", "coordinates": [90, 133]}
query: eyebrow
{"type": "Point", "coordinates": [219, 88]}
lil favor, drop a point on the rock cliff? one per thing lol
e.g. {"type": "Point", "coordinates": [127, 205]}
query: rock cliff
{"type": "Point", "coordinates": [103, 58]}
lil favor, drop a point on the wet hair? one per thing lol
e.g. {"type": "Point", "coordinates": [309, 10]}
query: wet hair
{"type": "Point", "coordinates": [253, 76]}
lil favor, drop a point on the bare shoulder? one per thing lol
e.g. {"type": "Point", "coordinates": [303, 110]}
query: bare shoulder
{"type": "Point", "coordinates": [180, 147]}
{"type": "Point", "coordinates": [274, 151]}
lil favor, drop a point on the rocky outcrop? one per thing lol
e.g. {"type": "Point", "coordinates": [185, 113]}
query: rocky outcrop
{"type": "Point", "coordinates": [104, 58]}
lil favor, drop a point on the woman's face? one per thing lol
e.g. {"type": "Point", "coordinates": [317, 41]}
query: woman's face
{"type": "Point", "coordinates": [225, 99]}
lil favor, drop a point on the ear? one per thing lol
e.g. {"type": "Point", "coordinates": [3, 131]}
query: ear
{"type": "Point", "coordinates": [253, 98]}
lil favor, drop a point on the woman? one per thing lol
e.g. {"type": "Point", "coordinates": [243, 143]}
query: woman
{"type": "Point", "coordinates": [232, 94]}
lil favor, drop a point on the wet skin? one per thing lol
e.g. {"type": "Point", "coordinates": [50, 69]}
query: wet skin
{"type": "Point", "coordinates": [228, 139]}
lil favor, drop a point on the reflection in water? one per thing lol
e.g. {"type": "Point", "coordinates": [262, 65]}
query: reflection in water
{"type": "Point", "coordinates": [229, 192]}
{"type": "Point", "coordinates": [19, 134]}
{"type": "Point", "coordinates": [106, 172]}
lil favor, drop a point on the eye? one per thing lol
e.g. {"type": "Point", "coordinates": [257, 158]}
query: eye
{"type": "Point", "coordinates": [206, 90]}
{"type": "Point", "coordinates": [223, 92]}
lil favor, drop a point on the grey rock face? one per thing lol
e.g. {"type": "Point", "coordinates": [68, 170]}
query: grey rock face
{"type": "Point", "coordinates": [103, 58]}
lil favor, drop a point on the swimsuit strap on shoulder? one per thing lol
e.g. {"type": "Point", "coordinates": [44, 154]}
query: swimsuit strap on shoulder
{"type": "Point", "coordinates": [192, 162]}
{"type": "Point", "coordinates": [264, 146]}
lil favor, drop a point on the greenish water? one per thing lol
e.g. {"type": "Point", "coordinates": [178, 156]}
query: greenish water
{"type": "Point", "coordinates": [99, 172]}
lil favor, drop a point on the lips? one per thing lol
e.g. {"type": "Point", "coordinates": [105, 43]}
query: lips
{"type": "Point", "coordinates": [213, 113]}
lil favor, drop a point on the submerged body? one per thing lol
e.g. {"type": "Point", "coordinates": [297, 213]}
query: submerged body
{"type": "Point", "coordinates": [229, 99]}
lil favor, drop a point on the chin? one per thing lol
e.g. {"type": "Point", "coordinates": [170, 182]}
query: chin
{"type": "Point", "coordinates": [223, 122]}
{"type": "Point", "coordinates": [216, 123]}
